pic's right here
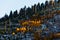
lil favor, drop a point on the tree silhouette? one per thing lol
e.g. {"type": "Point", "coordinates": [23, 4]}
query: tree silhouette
{"type": "Point", "coordinates": [42, 6]}
{"type": "Point", "coordinates": [38, 8]}
{"type": "Point", "coordinates": [15, 14]}
{"type": "Point", "coordinates": [21, 12]}
{"type": "Point", "coordinates": [11, 15]}
{"type": "Point", "coordinates": [35, 10]}
{"type": "Point", "coordinates": [6, 17]}
{"type": "Point", "coordinates": [50, 3]}
{"type": "Point", "coordinates": [46, 4]}
{"type": "Point", "coordinates": [58, 1]}
{"type": "Point", "coordinates": [29, 12]}
{"type": "Point", "coordinates": [2, 19]}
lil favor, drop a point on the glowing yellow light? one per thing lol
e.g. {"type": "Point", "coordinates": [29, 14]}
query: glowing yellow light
{"type": "Point", "coordinates": [35, 22]}
{"type": "Point", "coordinates": [32, 23]}
{"type": "Point", "coordinates": [24, 23]}
{"type": "Point", "coordinates": [38, 21]}
{"type": "Point", "coordinates": [13, 33]}
{"type": "Point", "coordinates": [23, 29]}
{"type": "Point", "coordinates": [58, 34]}
{"type": "Point", "coordinates": [17, 29]}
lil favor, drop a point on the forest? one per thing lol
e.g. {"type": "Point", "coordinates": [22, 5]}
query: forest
{"type": "Point", "coordinates": [26, 13]}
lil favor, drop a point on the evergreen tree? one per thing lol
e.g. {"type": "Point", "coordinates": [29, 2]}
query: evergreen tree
{"type": "Point", "coordinates": [11, 15]}
{"type": "Point", "coordinates": [15, 14]}
{"type": "Point", "coordinates": [35, 8]}
{"type": "Point", "coordinates": [42, 5]}
{"type": "Point", "coordinates": [38, 8]}
{"type": "Point", "coordinates": [6, 17]}
{"type": "Point", "coordinates": [46, 4]}
{"type": "Point", "coordinates": [2, 19]}
{"type": "Point", "coordinates": [58, 1]}
{"type": "Point", "coordinates": [29, 12]}
{"type": "Point", "coordinates": [22, 13]}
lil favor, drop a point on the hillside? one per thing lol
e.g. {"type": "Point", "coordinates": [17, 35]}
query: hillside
{"type": "Point", "coordinates": [42, 19]}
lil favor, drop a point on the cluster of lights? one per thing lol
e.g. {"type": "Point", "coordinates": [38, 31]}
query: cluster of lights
{"type": "Point", "coordinates": [21, 29]}
{"type": "Point", "coordinates": [32, 23]}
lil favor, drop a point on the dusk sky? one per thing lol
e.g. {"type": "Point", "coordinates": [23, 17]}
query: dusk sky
{"type": "Point", "coordinates": [7, 5]}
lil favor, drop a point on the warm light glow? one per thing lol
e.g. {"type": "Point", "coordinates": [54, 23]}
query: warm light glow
{"type": "Point", "coordinates": [24, 23]}
{"type": "Point", "coordinates": [35, 23]}
{"type": "Point", "coordinates": [32, 23]}
{"type": "Point", "coordinates": [13, 33]}
{"type": "Point", "coordinates": [23, 29]}
{"type": "Point", "coordinates": [38, 21]}
{"type": "Point", "coordinates": [17, 29]}
{"type": "Point", "coordinates": [58, 34]}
